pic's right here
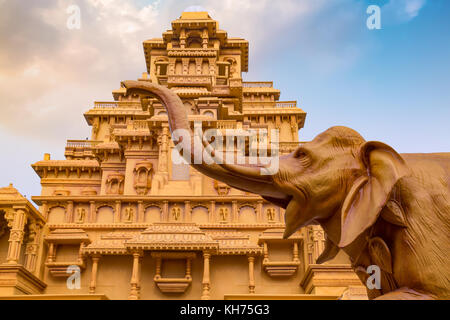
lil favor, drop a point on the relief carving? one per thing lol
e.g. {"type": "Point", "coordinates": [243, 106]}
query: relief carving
{"type": "Point", "coordinates": [80, 215]}
{"type": "Point", "coordinates": [221, 188]}
{"type": "Point", "coordinates": [129, 214]}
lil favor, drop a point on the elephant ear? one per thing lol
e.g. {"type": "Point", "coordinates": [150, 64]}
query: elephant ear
{"type": "Point", "coordinates": [370, 192]}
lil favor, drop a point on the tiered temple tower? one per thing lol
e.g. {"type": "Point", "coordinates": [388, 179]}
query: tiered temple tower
{"type": "Point", "coordinates": [135, 225]}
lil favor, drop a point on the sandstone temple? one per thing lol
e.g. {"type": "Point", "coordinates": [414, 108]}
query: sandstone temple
{"type": "Point", "coordinates": [117, 219]}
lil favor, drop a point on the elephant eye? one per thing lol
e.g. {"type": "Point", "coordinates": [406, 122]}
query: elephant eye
{"type": "Point", "coordinates": [300, 153]}
{"type": "Point", "coordinates": [303, 156]}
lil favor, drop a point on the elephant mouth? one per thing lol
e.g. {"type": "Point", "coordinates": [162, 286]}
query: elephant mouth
{"type": "Point", "coordinates": [277, 191]}
{"type": "Point", "coordinates": [294, 219]}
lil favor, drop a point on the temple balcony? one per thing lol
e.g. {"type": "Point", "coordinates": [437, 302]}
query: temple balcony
{"type": "Point", "coordinates": [80, 149]}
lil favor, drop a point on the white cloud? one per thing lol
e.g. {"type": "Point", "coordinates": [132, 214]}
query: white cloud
{"type": "Point", "coordinates": [50, 75]}
{"type": "Point", "coordinates": [413, 7]}
{"type": "Point", "coordinates": [45, 64]}
{"type": "Point", "coordinates": [400, 11]}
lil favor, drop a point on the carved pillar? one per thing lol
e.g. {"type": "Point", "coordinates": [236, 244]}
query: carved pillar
{"type": "Point", "coordinates": [93, 283]}
{"type": "Point", "coordinates": [135, 285]}
{"type": "Point", "coordinates": [259, 209]}
{"type": "Point", "coordinates": [212, 211]}
{"type": "Point", "coordinates": [51, 252]}
{"type": "Point", "coordinates": [187, 211]}
{"type": "Point", "coordinates": [295, 252]}
{"type": "Point", "coordinates": [44, 209]}
{"type": "Point", "coordinates": [318, 239]}
{"type": "Point", "coordinates": [234, 211]}
{"type": "Point", "coordinates": [91, 218]}
{"type": "Point", "coordinates": [205, 38]}
{"type": "Point", "coordinates": [69, 215]}
{"type": "Point", "coordinates": [171, 69]}
{"type": "Point", "coordinates": [206, 279]}
{"type": "Point", "coordinates": [16, 221]}
{"type": "Point", "coordinates": [158, 268]}
{"type": "Point", "coordinates": [165, 216]}
{"type": "Point", "coordinates": [185, 67]}
{"type": "Point", "coordinates": [183, 38]}
{"type": "Point", "coordinates": [294, 128]}
{"type": "Point", "coordinates": [198, 65]}
{"type": "Point", "coordinates": [282, 212]}
{"type": "Point", "coordinates": [212, 66]}
{"type": "Point", "coordinates": [32, 247]}
{"type": "Point", "coordinates": [188, 269]}
{"type": "Point", "coordinates": [163, 142]}
{"type": "Point", "coordinates": [140, 213]}
{"type": "Point", "coordinates": [117, 212]}
{"type": "Point", "coordinates": [139, 273]}
{"type": "Point", "coordinates": [251, 274]}
{"type": "Point", "coordinates": [266, 252]}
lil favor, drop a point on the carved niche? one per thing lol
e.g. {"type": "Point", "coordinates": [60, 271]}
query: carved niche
{"type": "Point", "coordinates": [115, 183]}
{"type": "Point", "coordinates": [143, 177]}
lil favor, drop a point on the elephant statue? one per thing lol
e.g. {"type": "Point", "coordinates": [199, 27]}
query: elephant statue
{"type": "Point", "coordinates": [381, 208]}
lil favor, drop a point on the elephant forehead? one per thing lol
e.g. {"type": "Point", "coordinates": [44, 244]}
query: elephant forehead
{"type": "Point", "coordinates": [338, 138]}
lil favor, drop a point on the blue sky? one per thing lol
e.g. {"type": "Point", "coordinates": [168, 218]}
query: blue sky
{"type": "Point", "coordinates": [391, 85]}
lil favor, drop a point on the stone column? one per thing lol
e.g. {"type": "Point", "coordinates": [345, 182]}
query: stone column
{"type": "Point", "coordinates": [165, 216]}
{"type": "Point", "coordinates": [259, 209]}
{"type": "Point", "coordinates": [185, 65]}
{"type": "Point", "coordinates": [93, 283]}
{"type": "Point", "coordinates": [140, 212]}
{"type": "Point", "coordinates": [234, 211]}
{"type": "Point", "coordinates": [295, 252]}
{"type": "Point", "coordinates": [16, 221]}
{"type": "Point", "coordinates": [69, 215]}
{"type": "Point", "coordinates": [212, 212]}
{"type": "Point", "coordinates": [135, 285]}
{"type": "Point", "coordinates": [44, 209]}
{"type": "Point", "coordinates": [188, 269]}
{"type": "Point", "coordinates": [206, 278]}
{"type": "Point", "coordinates": [265, 252]}
{"type": "Point", "coordinates": [117, 212]}
{"type": "Point", "coordinates": [251, 274]}
{"type": "Point", "coordinates": [51, 252]}
{"type": "Point", "coordinates": [32, 247]}
{"type": "Point", "coordinates": [158, 268]}
{"type": "Point", "coordinates": [91, 217]}
{"type": "Point", "coordinates": [187, 211]}
{"type": "Point", "coordinates": [198, 65]}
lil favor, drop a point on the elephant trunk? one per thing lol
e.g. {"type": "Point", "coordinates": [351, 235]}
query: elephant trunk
{"type": "Point", "coordinates": [240, 177]}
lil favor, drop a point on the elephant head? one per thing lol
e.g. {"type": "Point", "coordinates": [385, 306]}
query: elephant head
{"type": "Point", "coordinates": [337, 176]}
